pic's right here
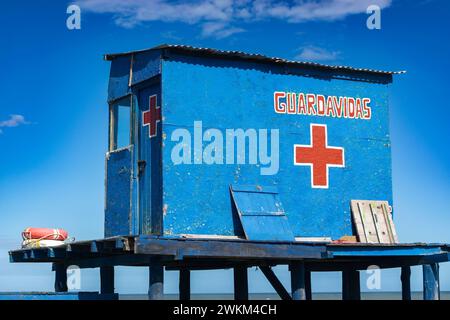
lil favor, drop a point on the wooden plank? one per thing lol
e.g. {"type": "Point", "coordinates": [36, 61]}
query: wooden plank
{"type": "Point", "coordinates": [209, 236]}
{"type": "Point", "coordinates": [370, 228]}
{"type": "Point", "coordinates": [380, 222]}
{"type": "Point", "coordinates": [313, 239]}
{"type": "Point", "coordinates": [389, 221]}
{"type": "Point", "coordinates": [357, 221]}
{"type": "Point", "coordinates": [373, 221]}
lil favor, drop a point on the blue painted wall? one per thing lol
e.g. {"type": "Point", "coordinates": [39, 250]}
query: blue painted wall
{"type": "Point", "coordinates": [229, 94]}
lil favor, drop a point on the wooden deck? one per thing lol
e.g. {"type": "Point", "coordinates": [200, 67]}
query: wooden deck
{"type": "Point", "coordinates": [202, 253]}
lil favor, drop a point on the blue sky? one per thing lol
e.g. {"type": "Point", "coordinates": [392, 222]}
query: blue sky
{"type": "Point", "coordinates": [53, 111]}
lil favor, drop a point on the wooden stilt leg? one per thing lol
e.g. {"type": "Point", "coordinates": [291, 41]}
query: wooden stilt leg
{"type": "Point", "coordinates": [60, 277]}
{"type": "Point", "coordinates": [431, 289]}
{"type": "Point", "coordinates": [156, 283]}
{"type": "Point", "coordinates": [406, 283]}
{"type": "Point", "coordinates": [350, 285]}
{"type": "Point", "coordinates": [107, 280]}
{"type": "Point", "coordinates": [298, 284]}
{"type": "Point", "coordinates": [240, 283]}
{"type": "Point", "coordinates": [185, 284]}
{"type": "Point", "coordinates": [308, 289]}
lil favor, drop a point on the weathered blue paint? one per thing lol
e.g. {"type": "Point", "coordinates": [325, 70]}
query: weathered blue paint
{"type": "Point", "coordinates": [119, 173]}
{"type": "Point", "coordinates": [119, 78]}
{"type": "Point", "coordinates": [261, 213]}
{"type": "Point", "coordinates": [225, 93]}
{"type": "Point", "coordinates": [371, 251]}
{"type": "Point", "coordinates": [431, 288]}
{"type": "Point", "coordinates": [130, 70]}
{"type": "Point", "coordinates": [150, 176]}
{"type": "Point", "coordinates": [145, 66]}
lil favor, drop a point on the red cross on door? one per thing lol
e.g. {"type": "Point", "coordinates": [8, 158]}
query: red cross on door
{"type": "Point", "coordinates": [152, 116]}
{"type": "Point", "coordinates": [319, 156]}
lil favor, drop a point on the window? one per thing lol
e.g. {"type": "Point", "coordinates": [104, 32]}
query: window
{"type": "Point", "coordinates": [120, 124]}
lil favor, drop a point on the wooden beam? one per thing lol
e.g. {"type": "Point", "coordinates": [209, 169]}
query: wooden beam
{"type": "Point", "coordinates": [406, 282]}
{"type": "Point", "coordinates": [275, 282]}
{"type": "Point", "coordinates": [431, 289]}
{"type": "Point", "coordinates": [185, 284]}
{"type": "Point", "coordinates": [240, 283]}
{"type": "Point", "coordinates": [156, 282]}
{"type": "Point", "coordinates": [298, 284]}
{"type": "Point", "coordinates": [107, 280]}
{"type": "Point", "coordinates": [244, 249]}
{"type": "Point", "coordinates": [351, 285]}
{"type": "Point", "coordinates": [60, 277]}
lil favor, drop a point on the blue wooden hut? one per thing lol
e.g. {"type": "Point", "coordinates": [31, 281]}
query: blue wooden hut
{"type": "Point", "coordinates": [224, 159]}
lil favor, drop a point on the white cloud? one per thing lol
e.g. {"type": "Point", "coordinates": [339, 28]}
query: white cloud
{"type": "Point", "coordinates": [313, 53]}
{"type": "Point", "coordinates": [217, 17]}
{"type": "Point", "coordinates": [219, 30]}
{"type": "Point", "coordinates": [14, 120]}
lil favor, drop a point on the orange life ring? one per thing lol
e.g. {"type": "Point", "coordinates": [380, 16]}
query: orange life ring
{"type": "Point", "coordinates": [44, 234]}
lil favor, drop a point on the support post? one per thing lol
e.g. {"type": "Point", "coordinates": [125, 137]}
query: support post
{"type": "Point", "coordinates": [350, 285]}
{"type": "Point", "coordinates": [308, 290]}
{"type": "Point", "coordinates": [406, 283]}
{"type": "Point", "coordinates": [107, 280]}
{"type": "Point", "coordinates": [298, 283]}
{"type": "Point", "coordinates": [431, 289]}
{"type": "Point", "coordinates": [240, 283]}
{"type": "Point", "coordinates": [60, 277]}
{"type": "Point", "coordinates": [156, 283]}
{"type": "Point", "coordinates": [185, 284]}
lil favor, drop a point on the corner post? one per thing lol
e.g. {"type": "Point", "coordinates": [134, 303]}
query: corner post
{"type": "Point", "coordinates": [431, 289]}
{"type": "Point", "coordinates": [107, 280]}
{"type": "Point", "coordinates": [156, 282]}
{"type": "Point", "coordinates": [298, 280]}
{"type": "Point", "coordinates": [406, 283]}
{"type": "Point", "coordinates": [60, 277]}
{"type": "Point", "coordinates": [351, 289]}
{"type": "Point", "coordinates": [185, 284]}
{"type": "Point", "coordinates": [240, 283]}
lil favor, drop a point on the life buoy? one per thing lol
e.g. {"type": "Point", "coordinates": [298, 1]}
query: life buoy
{"type": "Point", "coordinates": [44, 234]}
{"type": "Point", "coordinates": [36, 243]}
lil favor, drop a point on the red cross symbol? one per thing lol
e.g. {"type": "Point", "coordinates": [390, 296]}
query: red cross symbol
{"type": "Point", "coordinates": [319, 156]}
{"type": "Point", "coordinates": [152, 116]}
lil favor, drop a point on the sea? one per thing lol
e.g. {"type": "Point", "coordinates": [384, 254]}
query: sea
{"type": "Point", "coordinates": [273, 296]}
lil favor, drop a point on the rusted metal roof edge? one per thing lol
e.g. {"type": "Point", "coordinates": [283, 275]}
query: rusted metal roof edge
{"type": "Point", "coordinates": [252, 57]}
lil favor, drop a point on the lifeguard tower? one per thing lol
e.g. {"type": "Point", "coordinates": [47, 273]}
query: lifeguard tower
{"type": "Point", "coordinates": [223, 159]}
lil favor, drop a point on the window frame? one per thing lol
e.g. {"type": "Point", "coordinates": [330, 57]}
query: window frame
{"type": "Point", "coordinates": [113, 122]}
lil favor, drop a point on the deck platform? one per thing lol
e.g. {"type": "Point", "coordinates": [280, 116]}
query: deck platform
{"type": "Point", "coordinates": [203, 253]}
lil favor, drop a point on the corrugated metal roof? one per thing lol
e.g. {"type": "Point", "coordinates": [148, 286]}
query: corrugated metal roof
{"type": "Point", "coordinates": [253, 57]}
